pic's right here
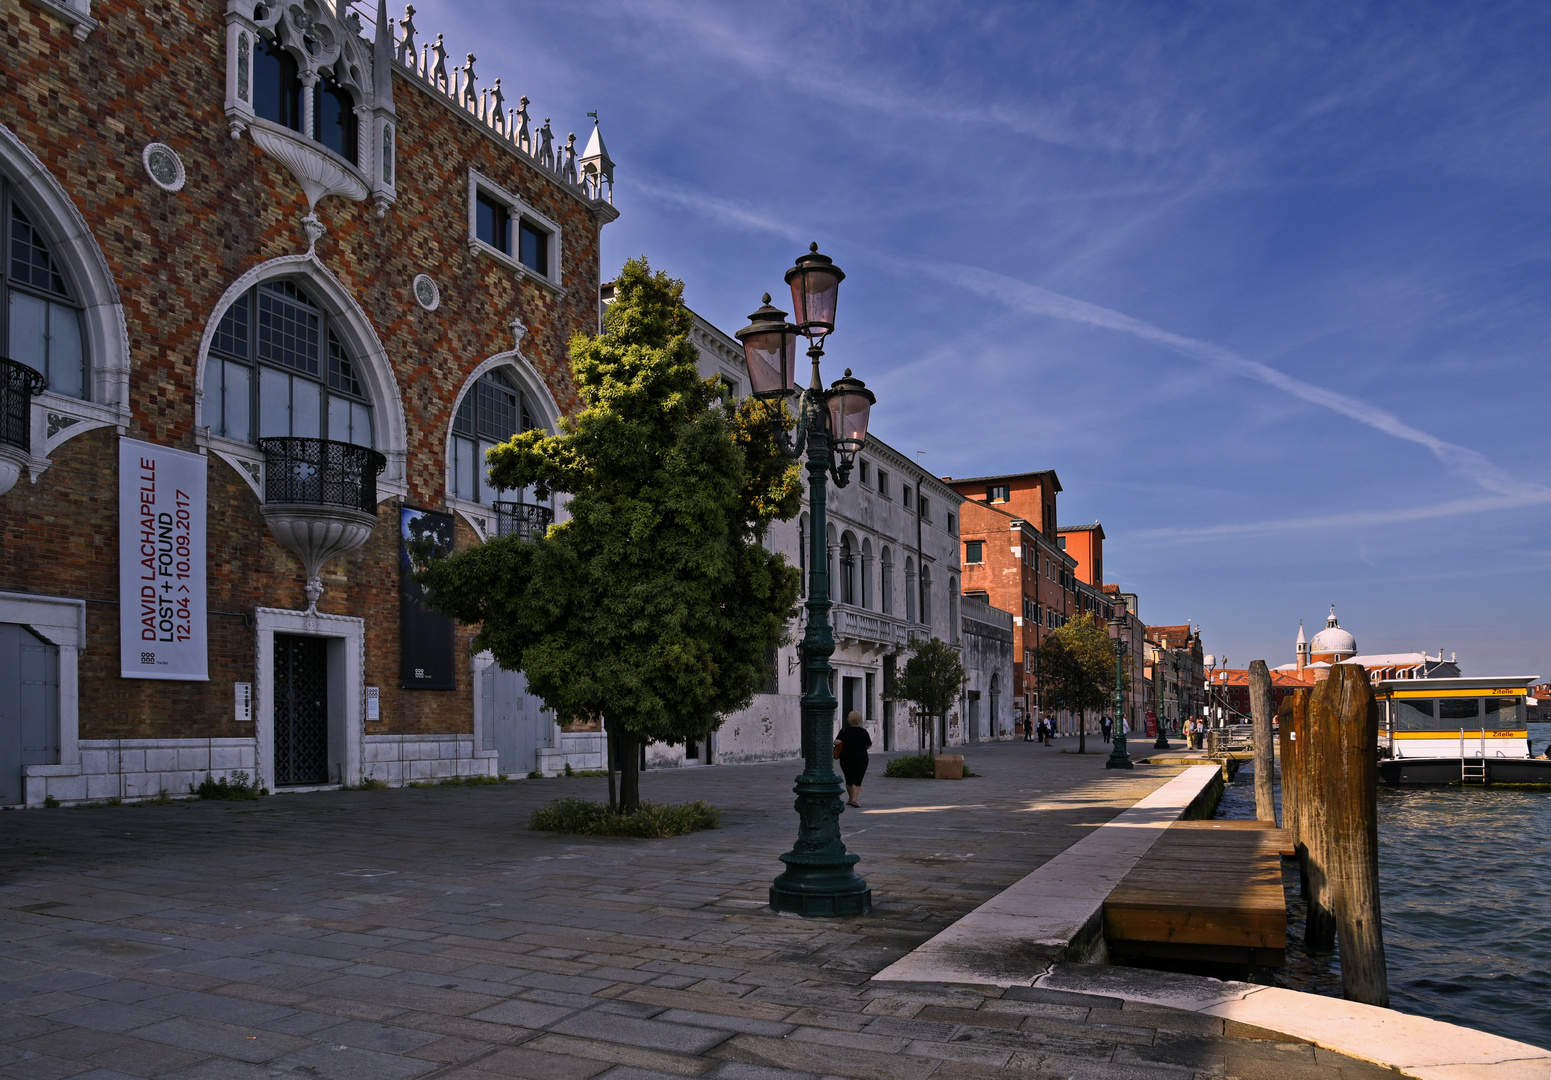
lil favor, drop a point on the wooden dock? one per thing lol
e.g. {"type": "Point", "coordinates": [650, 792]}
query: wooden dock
{"type": "Point", "coordinates": [1207, 891]}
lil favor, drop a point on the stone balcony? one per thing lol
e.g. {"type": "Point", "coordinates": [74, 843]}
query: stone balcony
{"type": "Point", "coordinates": [872, 630]}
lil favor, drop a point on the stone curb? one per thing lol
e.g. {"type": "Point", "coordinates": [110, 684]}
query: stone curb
{"type": "Point", "coordinates": [1413, 1045]}
{"type": "Point", "coordinates": [1056, 913]}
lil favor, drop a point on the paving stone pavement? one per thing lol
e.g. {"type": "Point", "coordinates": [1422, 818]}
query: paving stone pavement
{"type": "Point", "coordinates": [426, 933]}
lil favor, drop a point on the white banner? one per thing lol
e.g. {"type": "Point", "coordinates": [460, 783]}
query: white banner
{"type": "Point", "coordinates": [161, 563]}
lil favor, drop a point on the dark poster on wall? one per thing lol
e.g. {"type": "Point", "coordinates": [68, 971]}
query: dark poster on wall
{"type": "Point", "coordinates": [425, 636]}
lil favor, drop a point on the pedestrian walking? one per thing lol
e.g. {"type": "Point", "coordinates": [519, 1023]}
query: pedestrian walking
{"type": "Point", "coordinates": [851, 748]}
{"type": "Point", "coordinates": [1106, 725]}
{"type": "Point", "coordinates": [1028, 728]}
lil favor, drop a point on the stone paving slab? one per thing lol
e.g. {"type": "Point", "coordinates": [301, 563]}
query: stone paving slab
{"type": "Point", "coordinates": [426, 933]}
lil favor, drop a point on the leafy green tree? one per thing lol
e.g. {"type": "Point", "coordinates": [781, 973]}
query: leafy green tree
{"type": "Point", "coordinates": [655, 605]}
{"type": "Point", "coordinates": [1076, 670]}
{"type": "Point", "coordinates": [932, 681]}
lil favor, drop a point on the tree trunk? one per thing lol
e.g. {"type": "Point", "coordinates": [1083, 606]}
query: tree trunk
{"type": "Point", "coordinates": [1082, 733]}
{"type": "Point", "coordinates": [609, 743]}
{"type": "Point", "coordinates": [629, 772]}
{"type": "Point", "coordinates": [1265, 754]}
{"type": "Point", "coordinates": [1350, 776]}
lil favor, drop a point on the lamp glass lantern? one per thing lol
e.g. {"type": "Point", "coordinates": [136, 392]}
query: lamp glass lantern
{"type": "Point", "coordinates": [815, 282]}
{"type": "Point", "coordinates": [770, 348]}
{"type": "Point", "coordinates": [850, 403]}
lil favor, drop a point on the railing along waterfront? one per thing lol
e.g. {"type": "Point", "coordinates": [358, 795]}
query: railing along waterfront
{"type": "Point", "coordinates": [525, 521]}
{"type": "Point", "coordinates": [18, 384]}
{"type": "Point", "coordinates": [321, 472]}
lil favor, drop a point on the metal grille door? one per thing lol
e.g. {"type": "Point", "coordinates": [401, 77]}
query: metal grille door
{"type": "Point", "coordinates": [301, 711]}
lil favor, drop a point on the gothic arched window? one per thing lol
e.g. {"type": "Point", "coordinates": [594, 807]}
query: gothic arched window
{"type": "Point", "coordinates": [277, 367]}
{"type": "Point", "coordinates": [41, 317]}
{"type": "Point", "coordinates": [280, 97]}
{"type": "Point", "coordinates": [491, 412]}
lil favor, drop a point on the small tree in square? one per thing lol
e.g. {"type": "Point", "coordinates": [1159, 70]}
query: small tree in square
{"type": "Point", "coordinates": [1076, 670]}
{"type": "Point", "coordinates": [932, 681]}
{"type": "Point", "coordinates": [656, 604]}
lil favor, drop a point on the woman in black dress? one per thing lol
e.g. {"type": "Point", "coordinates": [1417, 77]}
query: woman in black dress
{"type": "Point", "coordinates": [852, 743]}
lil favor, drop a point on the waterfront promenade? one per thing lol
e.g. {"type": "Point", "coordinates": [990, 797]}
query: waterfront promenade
{"type": "Point", "coordinates": [427, 933]}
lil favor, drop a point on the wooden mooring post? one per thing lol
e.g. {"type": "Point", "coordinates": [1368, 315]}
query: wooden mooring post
{"type": "Point", "coordinates": [1339, 769]}
{"type": "Point", "coordinates": [1287, 735]}
{"type": "Point", "coordinates": [1265, 754]}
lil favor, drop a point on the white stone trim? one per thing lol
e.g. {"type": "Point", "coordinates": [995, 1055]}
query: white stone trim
{"type": "Point", "coordinates": [518, 208]}
{"type": "Point", "coordinates": [346, 666]}
{"type": "Point", "coordinates": [76, 13]}
{"type": "Point", "coordinates": [56, 215]}
{"type": "Point", "coordinates": [61, 621]}
{"type": "Point", "coordinates": [389, 428]}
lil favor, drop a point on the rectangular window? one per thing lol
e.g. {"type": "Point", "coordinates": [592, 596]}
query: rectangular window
{"type": "Point", "coordinates": [974, 551]}
{"type": "Point", "coordinates": [493, 224]}
{"type": "Point", "coordinates": [926, 508]}
{"type": "Point", "coordinates": [504, 227]}
{"type": "Point", "coordinates": [997, 493]}
{"type": "Point", "coordinates": [1061, 542]}
{"type": "Point", "coordinates": [953, 525]}
{"type": "Point", "coordinates": [982, 596]}
{"type": "Point", "coordinates": [534, 252]}
{"type": "Point", "coordinates": [904, 496]}
{"type": "Point", "coordinates": [883, 483]}
{"type": "Point", "coordinates": [865, 468]}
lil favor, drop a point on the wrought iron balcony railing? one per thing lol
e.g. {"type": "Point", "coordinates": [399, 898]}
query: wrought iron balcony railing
{"type": "Point", "coordinates": [321, 472]}
{"type": "Point", "coordinates": [523, 520]}
{"type": "Point", "coordinates": [18, 384]}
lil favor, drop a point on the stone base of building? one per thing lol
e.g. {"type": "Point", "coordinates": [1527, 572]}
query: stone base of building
{"type": "Point", "coordinates": [406, 759]}
{"type": "Point", "coordinates": [139, 769]}
{"type": "Point", "coordinates": [134, 769]}
{"type": "Point", "coordinates": [580, 750]}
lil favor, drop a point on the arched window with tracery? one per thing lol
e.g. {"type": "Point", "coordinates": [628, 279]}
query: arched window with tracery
{"type": "Point", "coordinates": [279, 96]}
{"type": "Point", "coordinates": [277, 367]}
{"type": "Point", "coordinates": [491, 412]}
{"type": "Point", "coordinates": [41, 313]}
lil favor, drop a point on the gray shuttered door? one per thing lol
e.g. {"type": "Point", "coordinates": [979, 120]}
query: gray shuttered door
{"type": "Point", "coordinates": [515, 726]}
{"type": "Point", "coordinates": [29, 707]}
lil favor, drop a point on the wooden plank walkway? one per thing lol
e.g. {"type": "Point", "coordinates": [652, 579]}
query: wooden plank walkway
{"type": "Point", "coordinates": [1207, 891]}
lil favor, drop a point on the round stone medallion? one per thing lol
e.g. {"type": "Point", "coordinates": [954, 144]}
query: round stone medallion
{"type": "Point", "coordinates": [427, 295]}
{"type": "Point", "coordinates": [163, 166]}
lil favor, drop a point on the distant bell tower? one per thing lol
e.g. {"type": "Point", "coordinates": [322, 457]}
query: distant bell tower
{"type": "Point", "coordinates": [1302, 648]}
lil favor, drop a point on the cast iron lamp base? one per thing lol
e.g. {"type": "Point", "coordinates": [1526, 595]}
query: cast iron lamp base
{"type": "Point", "coordinates": [1118, 758]}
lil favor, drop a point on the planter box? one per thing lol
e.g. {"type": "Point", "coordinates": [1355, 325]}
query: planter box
{"type": "Point", "coordinates": [949, 766]}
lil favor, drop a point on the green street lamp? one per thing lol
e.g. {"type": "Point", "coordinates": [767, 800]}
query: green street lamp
{"type": "Point", "coordinates": [831, 427]}
{"type": "Point", "coordinates": [1163, 728]}
{"type": "Point", "coordinates": [1118, 758]}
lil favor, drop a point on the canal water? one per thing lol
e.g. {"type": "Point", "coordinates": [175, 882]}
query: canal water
{"type": "Point", "coordinates": [1465, 880]}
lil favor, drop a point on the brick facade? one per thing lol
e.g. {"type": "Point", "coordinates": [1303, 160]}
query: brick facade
{"type": "Point", "coordinates": [156, 73]}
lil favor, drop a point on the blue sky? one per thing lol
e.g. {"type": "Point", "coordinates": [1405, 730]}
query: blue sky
{"type": "Point", "coordinates": [1267, 284]}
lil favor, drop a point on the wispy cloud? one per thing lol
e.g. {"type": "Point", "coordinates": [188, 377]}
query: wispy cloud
{"type": "Point", "coordinates": [1038, 301]}
{"type": "Point", "coordinates": [1328, 522]}
{"type": "Point", "coordinates": [1034, 300]}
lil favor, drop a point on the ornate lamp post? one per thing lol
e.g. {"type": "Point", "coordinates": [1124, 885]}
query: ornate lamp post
{"type": "Point", "coordinates": [1163, 727]}
{"type": "Point", "coordinates": [1118, 758]}
{"type": "Point", "coordinates": [831, 427]}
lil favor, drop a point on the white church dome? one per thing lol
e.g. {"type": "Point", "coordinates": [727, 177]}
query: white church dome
{"type": "Point", "coordinates": [1333, 639]}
